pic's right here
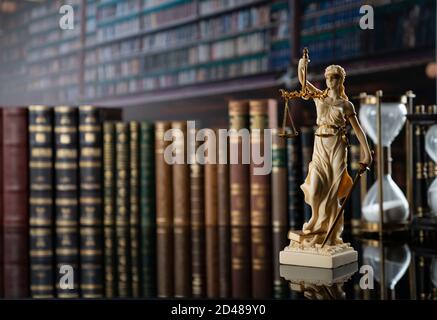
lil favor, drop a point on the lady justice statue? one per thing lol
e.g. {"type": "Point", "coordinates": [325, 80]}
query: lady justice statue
{"type": "Point", "coordinates": [328, 183]}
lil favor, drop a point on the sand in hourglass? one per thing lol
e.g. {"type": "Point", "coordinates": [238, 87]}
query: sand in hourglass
{"type": "Point", "coordinates": [394, 210]}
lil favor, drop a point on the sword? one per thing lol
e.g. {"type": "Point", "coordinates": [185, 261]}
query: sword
{"type": "Point", "coordinates": [360, 172]}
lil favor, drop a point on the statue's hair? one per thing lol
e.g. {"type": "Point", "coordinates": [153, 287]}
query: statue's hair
{"type": "Point", "coordinates": [336, 69]}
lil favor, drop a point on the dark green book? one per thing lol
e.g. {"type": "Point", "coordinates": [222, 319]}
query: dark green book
{"type": "Point", "coordinates": [122, 183]}
{"type": "Point", "coordinates": [147, 209]}
{"type": "Point", "coordinates": [109, 194]}
{"type": "Point", "coordinates": [147, 174]}
{"type": "Point", "coordinates": [307, 143]}
{"type": "Point", "coordinates": [41, 202]}
{"type": "Point", "coordinates": [148, 261]}
{"type": "Point", "coordinates": [91, 262]}
{"type": "Point", "coordinates": [66, 202]}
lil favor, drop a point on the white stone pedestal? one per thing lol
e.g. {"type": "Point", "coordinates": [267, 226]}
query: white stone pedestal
{"type": "Point", "coordinates": [329, 257]}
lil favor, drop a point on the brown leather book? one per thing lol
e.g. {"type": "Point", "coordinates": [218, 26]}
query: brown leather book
{"type": "Point", "coordinates": [165, 262]}
{"type": "Point", "coordinates": [224, 235]}
{"type": "Point", "coordinates": [198, 260]}
{"type": "Point", "coordinates": [211, 191]}
{"type": "Point", "coordinates": [223, 204]}
{"type": "Point", "coordinates": [262, 283]}
{"type": "Point", "coordinates": [279, 180]}
{"type": "Point", "coordinates": [16, 270]}
{"type": "Point", "coordinates": [240, 262]}
{"type": "Point", "coordinates": [182, 262]}
{"type": "Point", "coordinates": [212, 262]}
{"type": "Point", "coordinates": [239, 178]}
{"type": "Point", "coordinates": [15, 203]}
{"type": "Point", "coordinates": [260, 201]}
{"type": "Point", "coordinates": [197, 192]}
{"type": "Point", "coordinates": [164, 191]}
{"type": "Point", "coordinates": [181, 176]}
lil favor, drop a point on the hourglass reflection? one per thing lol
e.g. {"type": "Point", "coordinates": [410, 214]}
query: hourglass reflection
{"type": "Point", "coordinates": [395, 205]}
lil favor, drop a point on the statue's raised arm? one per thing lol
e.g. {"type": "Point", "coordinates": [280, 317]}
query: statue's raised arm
{"type": "Point", "coordinates": [302, 72]}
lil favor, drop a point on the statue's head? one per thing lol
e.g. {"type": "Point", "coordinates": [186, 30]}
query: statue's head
{"type": "Point", "coordinates": [335, 75]}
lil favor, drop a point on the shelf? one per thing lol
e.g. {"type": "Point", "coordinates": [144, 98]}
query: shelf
{"type": "Point", "coordinates": [259, 81]}
{"type": "Point", "coordinates": [209, 64]}
{"type": "Point", "coordinates": [186, 45]}
{"type": "Point", "coordinates": [425, 119]}
{"type": "Point", "coordinates": [194, 18]}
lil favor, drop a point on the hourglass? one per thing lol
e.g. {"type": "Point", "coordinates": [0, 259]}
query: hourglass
{"type": "Point", "coordinates": [384, 129]}
{"type": "Point", "coordinates": [431, 149]}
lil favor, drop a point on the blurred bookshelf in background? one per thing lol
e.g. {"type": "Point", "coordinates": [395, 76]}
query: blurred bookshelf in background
{"type": "Point", "coordinates": [154, 52]}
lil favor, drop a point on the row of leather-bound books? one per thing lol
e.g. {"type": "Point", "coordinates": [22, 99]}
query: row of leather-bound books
{"type": "Point", "coordinates": [82, 191]}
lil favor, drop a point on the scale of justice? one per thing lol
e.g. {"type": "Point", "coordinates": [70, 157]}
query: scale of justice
{"type": "Point", "coordinates": [328, 254]}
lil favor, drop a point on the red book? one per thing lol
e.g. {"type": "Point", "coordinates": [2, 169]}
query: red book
{"type": "Point", "coordinates": [15, 198]}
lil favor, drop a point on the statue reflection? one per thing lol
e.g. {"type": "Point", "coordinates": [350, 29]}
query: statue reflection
{"type": "Point", "coordinates": [318, 283]}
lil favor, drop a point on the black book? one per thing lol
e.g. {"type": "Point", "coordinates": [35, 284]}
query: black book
{"type": "Point", "coordinates": [66, 202]}
{"type": "Point", "coordinates": [307, 154]}
{"type": "Point", "coordinates": [294, 176]}
{"type": "Point", "coordinates": [41, 202]}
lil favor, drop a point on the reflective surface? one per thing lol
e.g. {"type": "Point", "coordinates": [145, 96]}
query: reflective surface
{"type": "Point", "coordinates": [220, 262]}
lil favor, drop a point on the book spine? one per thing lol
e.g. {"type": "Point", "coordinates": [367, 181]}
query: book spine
{"type": "Point", "coordinates": [212, 263]}
{"type": "Point", "coordinates": [182, 263]}
{"type": "Point", "coordinates": [279, 180]}
{"type": "Point", "coordinates": [262, 282]}
{"type": "Point", "coordinates": [294, 177]}
{"type": "Point", "coordinates": [148, 261]}
{"type": "Point", "coordinates": [355, 201]}
{"type": "Point", "coordinates": [66, 200]}
{"type": "Point", "coordinates": [198, 270]}
{"type": "Point", "coordinates": [211, 188]}
{"type": "Point", "coordinates": [147, 210]}
{"type": "Point", "coordinates": [223, 204]}
{"type": "Point", "coordinates": [135, 207]}
{"type": "Point", "coordinates": [260, 214]}
{"type": "Point", "coordinates": [163, 174]}
{"type": "Point", "coordinates": [241, 262]}
{"type": "Point", "coordinates": [15, 168]}
{"type": "Point", "coordinates": [1, 201]}
{"type": "Point", "coordinates": [225, 288]}
{"type": "Point", "coordinates": [122, 209]}
{"type": "Point", "coordinates": [181, 176]}
{"type": "Point", "coordinates": [307, 152]}
{"type": "Point", "coordinates": [239, 171]}
{"type": "Point", "coordinates": [109, 196]}
{"type": "Point", "coordinates": [197, 192]}
{"type": "Point", "coordinates": [90, 202]}
{"type": "Point", "coordinates": [165, 262]}
{"type": "Point", "coordinates": [41, 202]}
{"type": "Point", "coordinates": [15, 205]}
{"type": "Point", "coordinates": [279, 242]}
{"type": "Point", "coordinates": [147, 175]}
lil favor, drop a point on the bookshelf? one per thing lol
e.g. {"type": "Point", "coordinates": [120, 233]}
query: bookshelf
{"type": "Point", "coordinates": [137, 52]}
{"type": "Point", "coordinates": [124, 48]}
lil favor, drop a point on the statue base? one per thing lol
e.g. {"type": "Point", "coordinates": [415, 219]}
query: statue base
{"type": "Point", "coordinates": [330, 257]}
